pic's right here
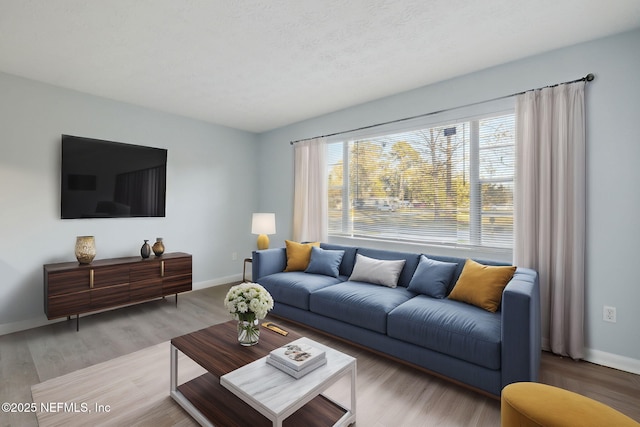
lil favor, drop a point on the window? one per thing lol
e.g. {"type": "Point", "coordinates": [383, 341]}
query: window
{"type": "Point", "coordinates": [446, 184]}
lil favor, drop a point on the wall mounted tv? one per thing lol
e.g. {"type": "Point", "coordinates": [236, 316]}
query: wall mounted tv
{"type": "Point", "coordinates": [105, 179]}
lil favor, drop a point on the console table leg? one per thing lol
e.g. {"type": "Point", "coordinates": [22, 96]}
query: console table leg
{"type": "Point", "coordinates": [77, 322]}
{"type": "Point", "coordinates": [176, 300]}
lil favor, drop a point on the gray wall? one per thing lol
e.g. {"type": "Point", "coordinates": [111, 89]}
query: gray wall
{"type": "Point", "coordinates": [210, 191]}
{"type": "Point", "coordinates": [613, 112]}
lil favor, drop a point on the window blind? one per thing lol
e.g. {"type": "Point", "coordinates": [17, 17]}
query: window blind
{"type": "Point", "coordinates": [446, 184]}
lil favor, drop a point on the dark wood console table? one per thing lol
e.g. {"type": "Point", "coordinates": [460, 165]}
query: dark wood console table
{"type": "Point", "coordinates": [71, 288]}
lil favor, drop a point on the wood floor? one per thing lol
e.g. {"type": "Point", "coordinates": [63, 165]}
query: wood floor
{"type": "Point", "coordinates": [389, 393]}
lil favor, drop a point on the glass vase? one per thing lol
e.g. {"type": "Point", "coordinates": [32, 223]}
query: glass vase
{"type": "Point", "coordinates": [248, 332]}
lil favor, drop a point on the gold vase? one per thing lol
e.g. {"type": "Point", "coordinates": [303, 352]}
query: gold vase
{"type": "Point", "coordinates": [85, 249]}
{"type": "Point", "coordinates": [158, 247]}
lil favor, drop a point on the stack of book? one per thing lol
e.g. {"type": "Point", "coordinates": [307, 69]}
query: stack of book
{"type": "Point", "coordinates": [297, 358]}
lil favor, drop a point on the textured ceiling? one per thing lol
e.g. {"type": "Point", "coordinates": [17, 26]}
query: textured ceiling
{"type": "Point", "coordinates": [261, 64]}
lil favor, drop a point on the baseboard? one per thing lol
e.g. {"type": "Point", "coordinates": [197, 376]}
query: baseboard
{"type": "Point", "coordinates": [611, 360]}
{"type": "Point", "coordinates": [217, 282]}
{"type": "Point", "coordinates": [23, 325]}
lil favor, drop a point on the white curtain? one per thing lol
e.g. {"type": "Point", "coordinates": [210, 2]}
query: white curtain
{"type": "Point", "coordinates": [310, 211]}
{"type": "Point", "coordinates": [550, 208]}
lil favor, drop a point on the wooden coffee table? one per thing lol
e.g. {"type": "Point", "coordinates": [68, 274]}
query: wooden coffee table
{"type": "Point", "coordinates": [217, 350]}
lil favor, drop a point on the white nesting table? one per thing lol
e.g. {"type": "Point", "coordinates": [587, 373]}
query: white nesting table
{"type": "Point", "coordinates": [277, 395]}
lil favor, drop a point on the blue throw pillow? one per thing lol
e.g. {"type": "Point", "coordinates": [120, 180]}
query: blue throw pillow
{"type": "Point", "coordinates": [325, 261]}
{"type": "Point", "coordinates": [432, 277]}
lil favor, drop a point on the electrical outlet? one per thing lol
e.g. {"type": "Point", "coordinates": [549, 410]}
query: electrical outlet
{"type": "Point", "coordinates": [609, 314]}
{"type": "Point", "coordinates": [234, 256]}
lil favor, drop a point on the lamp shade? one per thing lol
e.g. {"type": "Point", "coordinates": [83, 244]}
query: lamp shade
{"type": "Point", "coordinates": [263, 223]}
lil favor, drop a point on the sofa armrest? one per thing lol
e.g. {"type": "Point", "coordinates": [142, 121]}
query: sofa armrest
{"type": "Point", "coordinates": [268, 261]}
{"type": "Point", "coordinates": [521, 340]}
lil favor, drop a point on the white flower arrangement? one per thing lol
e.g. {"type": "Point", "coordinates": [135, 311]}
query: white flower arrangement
{"type": "Point", "coordinates": [248, 301]}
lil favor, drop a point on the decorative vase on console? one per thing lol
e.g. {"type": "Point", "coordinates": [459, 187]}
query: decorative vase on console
{"type": "Point", "coordinates": [248, 303]}
{"type": "Point", "coordinates": [158, 247]}
{"type": "Point", "coordinates": [85, 249]}
{"type": "Point", "coordinates": [145, 250]}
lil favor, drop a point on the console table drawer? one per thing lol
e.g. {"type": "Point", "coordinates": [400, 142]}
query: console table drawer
{"type": "Point", "coordinates": [64, 305]}
{"type": "Point", "coordinates": [177, 284]}
{"type": "Point", "coordinates": [149, 269]}
{"type": "Point", "coordinates": [64, 282]}
{"type": "Point", "coordinates": [109, 296]}
{"type": "Point", "coordinates": [145, 289]}
{"type": "Point", "coordinates": [110, 275]}
{"type": "Point", "coordinates": [177, 266]}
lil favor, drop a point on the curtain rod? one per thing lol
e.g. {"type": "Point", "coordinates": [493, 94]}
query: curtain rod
{"type": "Point", "coordinates": [589, 77]}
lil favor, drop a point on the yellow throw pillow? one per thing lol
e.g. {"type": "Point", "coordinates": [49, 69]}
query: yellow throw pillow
{"type": "Point", "coordinates": [298, 255]}
{"type": "Point", "coordinates": [482, 285]}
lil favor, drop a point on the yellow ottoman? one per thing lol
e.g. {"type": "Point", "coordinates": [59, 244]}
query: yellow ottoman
{"type": "Point", "coordinates": [539, 405]}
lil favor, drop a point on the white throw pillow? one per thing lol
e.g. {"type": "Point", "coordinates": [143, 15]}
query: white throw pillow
{"type": "Point", "coordinates": [377, 271]}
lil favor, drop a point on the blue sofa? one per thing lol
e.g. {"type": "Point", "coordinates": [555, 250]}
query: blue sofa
{"type": "Point", "coordinates": [477, 348]}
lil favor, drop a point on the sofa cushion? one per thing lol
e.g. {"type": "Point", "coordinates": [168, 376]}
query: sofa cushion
{"type": "Point", "coordinates": [411, 261]}
{"type": "Point", "coordinates": [293, 288]}
{"type": "Point", "coordinates": [325, 261]}
{"type": "Point", "coordinates": [377, 271]}
{"type": "Point", "coordinates": [460, 266]}
{"type": "Point", "coordinates": [358, 303]}
{"type": "Point", "coordinates": [298, 255]}
{"type": "Point", "coordinates": [348, 260]}
{"type": "Point", "coordinates": [482, 285]}
{"type": "Point", "coordinates": [450, 327]}
{"type": "Point", "coordinates": [432, 277]}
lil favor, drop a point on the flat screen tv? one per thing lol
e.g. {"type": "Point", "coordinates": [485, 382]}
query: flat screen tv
{"type": "Point", "coordinates": [105, 179]}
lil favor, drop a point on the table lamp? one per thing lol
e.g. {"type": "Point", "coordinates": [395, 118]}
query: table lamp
{"type": "Point", "coordinates": [263, 224]}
